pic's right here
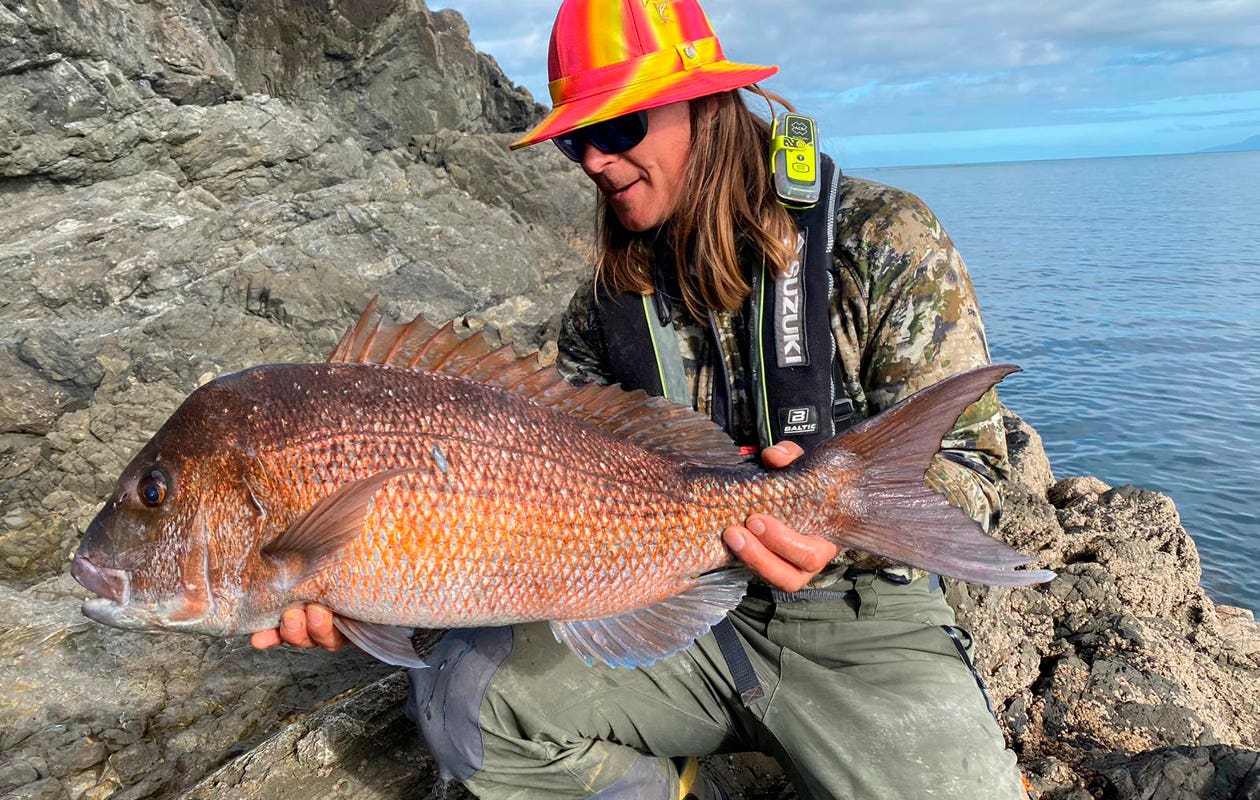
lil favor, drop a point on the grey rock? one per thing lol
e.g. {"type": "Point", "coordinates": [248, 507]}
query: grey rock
{"type": "Point", "coordinates": [15, 773]}
{"type": "Point", "coordinates": [359, 747]}
{"type": "Point", "coordinates": [538, 183]}
{"type": "Point", "coordinates": [189, 702]}
{"type": "Point", "coordinates": [31, 402]}
{"type": "Point", "coordinates": [172, 45]}
{"type": "Point", "coordinates": [43, 789]}
{"type": "Point", "coordinates": [1066, 492]}
{"type": "Point", "coordinates": [95, 90]}
{"type": "Point", "coordinates": [1030, 466]}
{"type": "Point", "coordinates": [1178, 773]}
{"type": "Point", "coordinates": [81, 121]}
{"type": "Point", "coordinates": [260, 144]}
{"type": "Point", "coordinates": [393, 70]}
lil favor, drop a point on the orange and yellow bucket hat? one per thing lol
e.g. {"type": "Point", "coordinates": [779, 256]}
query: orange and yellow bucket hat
{"type": "Point", "coordinates": [612, 57]}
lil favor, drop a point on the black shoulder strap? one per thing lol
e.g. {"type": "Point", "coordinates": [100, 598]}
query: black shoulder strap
{"type": "Point", "coordinates": [792, 352]}
{"type": "Point", "coordinates": [642, 347]}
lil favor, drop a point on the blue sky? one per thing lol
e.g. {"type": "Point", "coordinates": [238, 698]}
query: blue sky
{"type": "Point", "coordinates": [906, 82]}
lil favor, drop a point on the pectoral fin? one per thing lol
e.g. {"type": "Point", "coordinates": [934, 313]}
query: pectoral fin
{"type": "Point", "coordinates": [316, 539]}
{"type": "Point", "coordinates": [638, 638]}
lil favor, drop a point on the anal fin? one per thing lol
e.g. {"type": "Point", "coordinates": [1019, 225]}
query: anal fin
{"type": "Point", "coordinates": [640, 637]}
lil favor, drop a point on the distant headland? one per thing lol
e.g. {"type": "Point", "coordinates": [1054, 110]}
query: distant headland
{"type": "Point", "coordinates": [1252, 143]}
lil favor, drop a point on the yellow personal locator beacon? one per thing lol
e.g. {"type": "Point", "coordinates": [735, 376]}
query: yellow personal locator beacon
{"type": "Point", "coordinates": [794, 160]}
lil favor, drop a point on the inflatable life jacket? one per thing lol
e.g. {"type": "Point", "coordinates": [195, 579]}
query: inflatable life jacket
{"type": "Point", "coordinates": [790, 344]}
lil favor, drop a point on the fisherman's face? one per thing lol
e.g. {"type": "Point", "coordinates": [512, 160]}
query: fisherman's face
{"type": "Point", "coordinates": [643, 183]}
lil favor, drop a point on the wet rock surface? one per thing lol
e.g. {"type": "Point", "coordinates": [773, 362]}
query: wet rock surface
{"type": "Point", "coordinates": [1216, 772]}
{"type": "Point", "coordinates": [191, 187]}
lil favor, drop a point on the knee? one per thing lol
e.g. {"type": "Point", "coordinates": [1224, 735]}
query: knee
{"type": "Point", "coordinates": [446, 699]}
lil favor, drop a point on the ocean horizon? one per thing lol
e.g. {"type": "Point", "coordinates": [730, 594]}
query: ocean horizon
{"type": "Point", "coordinates": [829, 146]}
{"type": "Point", "coordinates": [1128, 289]}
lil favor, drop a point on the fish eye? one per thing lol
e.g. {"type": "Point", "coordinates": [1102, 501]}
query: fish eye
{"type": "Point", "coordinates": [152, 488]}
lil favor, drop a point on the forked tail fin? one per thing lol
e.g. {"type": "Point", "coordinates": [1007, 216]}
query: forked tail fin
{"type": "Point", "coordinates": [898, 515]}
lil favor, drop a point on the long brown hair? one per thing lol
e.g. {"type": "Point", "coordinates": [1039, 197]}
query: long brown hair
{"type": "Point", "coordinates": [727, 207]}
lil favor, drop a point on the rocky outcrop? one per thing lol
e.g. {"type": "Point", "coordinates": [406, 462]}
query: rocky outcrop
{"type": "Point", "coordinates": [190, 187]}
{"type": "Point", "coordinates": [105, 89]}
{"type": "Point", "coordinates": [90, 712]}
{"type": "Point", "coordinates": [1123, 653]}
{"type": "Point", "coordinates": [151, 195]}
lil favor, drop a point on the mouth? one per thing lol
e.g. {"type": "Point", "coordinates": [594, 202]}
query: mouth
{"type": "Point", "coordinates": [112, 585]}
{"type": "Point", "coordinates": [126, 599]}
{"type": "Point", "coordinates": [619, 193]}
{"type": "Point", "coordinates": [111, 606]}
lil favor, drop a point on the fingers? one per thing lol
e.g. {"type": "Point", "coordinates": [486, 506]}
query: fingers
{"type": "Point", "coordinates": [320, 628]}
{"type": "Point", "coordinates": [780, 455]}
{"type": "Point", "coordinates": [786, 559]}
{"type": "Point", "coordinates": [302, 626]}
{"type": "Point", "coordinates": [293, 627]}
{"type": "Point", "coordinates": [264, 639]}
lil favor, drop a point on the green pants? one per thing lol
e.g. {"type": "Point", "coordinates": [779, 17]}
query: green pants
{"type": "Point", "coordinates": [866, 696]}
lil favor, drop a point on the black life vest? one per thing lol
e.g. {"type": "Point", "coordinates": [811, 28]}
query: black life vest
{"type": "Point", "coordinates": [791, 348]}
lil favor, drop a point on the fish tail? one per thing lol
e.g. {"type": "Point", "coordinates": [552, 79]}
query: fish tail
{"type": "Point", "coordinates": [896, 514]}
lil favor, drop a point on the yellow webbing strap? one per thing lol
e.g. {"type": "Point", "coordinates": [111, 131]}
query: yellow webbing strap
{"type": "Point", "coordinates": [687, 777]}
{"type": "Point", "coordinates": [650, 315]}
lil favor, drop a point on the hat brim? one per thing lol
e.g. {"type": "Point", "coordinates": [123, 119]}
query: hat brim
{"type": "Point", "coordinates": [711, 78]}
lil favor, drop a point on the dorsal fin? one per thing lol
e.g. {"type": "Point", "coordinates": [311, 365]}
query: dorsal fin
{"type": "Point", "coordinates": [650, 422]}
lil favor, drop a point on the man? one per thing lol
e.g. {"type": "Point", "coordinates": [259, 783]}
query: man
{"type": "Point", "coordinates": [845, 667]}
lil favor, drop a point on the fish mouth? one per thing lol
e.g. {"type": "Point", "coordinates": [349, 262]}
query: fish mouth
{"type": "Point", "coordinates": [111, 585]}
{"type": "Point", "coordinates": [112, 605]}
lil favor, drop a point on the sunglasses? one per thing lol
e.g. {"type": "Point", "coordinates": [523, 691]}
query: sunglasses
{"type": "Point", "coordinates": [611, 136]}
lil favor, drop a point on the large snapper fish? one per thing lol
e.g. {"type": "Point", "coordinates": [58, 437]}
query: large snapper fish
{"type": "Point", "coordinates": [424, 480]}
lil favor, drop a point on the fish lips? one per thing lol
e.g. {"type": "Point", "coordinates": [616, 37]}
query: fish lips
{"type": "Point", "coordinates": [120, 605]}
{"type": "Point", "coordinates": [112, 585]}
{"type": "Point", "coordinates": [113, 590]}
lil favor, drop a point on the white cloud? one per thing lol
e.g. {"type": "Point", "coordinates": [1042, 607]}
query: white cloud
{"type": "Point", "coordinates": [924, 66]}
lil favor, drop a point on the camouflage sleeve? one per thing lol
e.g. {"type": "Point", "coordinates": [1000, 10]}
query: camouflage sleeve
{"type": "Point", "coordinates": [912, 320]}
{"type": "Point", "coordinates": [581, 356]}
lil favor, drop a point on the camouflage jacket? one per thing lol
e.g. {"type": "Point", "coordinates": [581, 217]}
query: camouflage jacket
{"type": "Point", "coordinates": [904, 316]}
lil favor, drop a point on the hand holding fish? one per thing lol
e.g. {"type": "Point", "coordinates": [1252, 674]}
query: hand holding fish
{"type": "Point", "coordinates": [772, 550]}
{"type": "Point", "coordinates": [306, 626]}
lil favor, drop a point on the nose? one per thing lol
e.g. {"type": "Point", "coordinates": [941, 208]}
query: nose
{"type": "Point", "coordinates": [594, 160]}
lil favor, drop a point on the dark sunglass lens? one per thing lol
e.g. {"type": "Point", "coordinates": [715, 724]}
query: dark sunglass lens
{"type": "Point", "coordinates": [619, 134]}
{"type": "Point", "coordinates": [611, 136]}
{"type": "Point", "coordinates": [571, 144]}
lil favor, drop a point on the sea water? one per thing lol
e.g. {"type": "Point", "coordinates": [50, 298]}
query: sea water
{"type": "Point", "coordinates": [1129, 291]}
